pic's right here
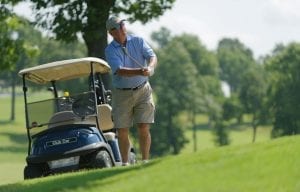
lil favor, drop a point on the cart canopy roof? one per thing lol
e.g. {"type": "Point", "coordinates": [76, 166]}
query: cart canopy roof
{"type": "Point", "coordinates": [65, 69]}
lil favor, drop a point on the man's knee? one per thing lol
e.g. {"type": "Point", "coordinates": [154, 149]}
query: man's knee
{"type": "Point", "coordinates": [143, 126]}
{"type": "Point", "coordinates": [123, 132]}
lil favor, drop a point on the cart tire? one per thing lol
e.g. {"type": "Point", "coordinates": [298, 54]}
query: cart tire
{"type": "Point", "coordinates": [33, 171]}
{"type": "Point", "coordinates": [102, 160]}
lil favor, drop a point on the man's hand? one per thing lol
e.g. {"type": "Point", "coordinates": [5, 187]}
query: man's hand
{"type": "Point", "coordinates": [145, 72]}
{"type": "Point", "coordinates": [148, 71]}
{"type": "Point", "coordinates": [151, 70]}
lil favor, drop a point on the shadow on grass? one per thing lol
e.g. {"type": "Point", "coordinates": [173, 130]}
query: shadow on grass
{"type": "Point", "coordinates": [5, 122]}
{"type": "Point", "coordinates": [233, 126]}
{"type": "Point", "coordinates": [239, 127]}
{"type": "Point", "coordinates": [85, 180]}
{"type": "Point", "coordinates": [11, 149]}
{"type": "Point", "coordinates": [204, 126]}
{"type": "Point", "coordinates": [18, 138]}
{"type": "Point", "coordinates": [20, 141]}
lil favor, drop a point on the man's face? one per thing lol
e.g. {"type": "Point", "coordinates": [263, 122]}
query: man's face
{"type": "Point", "coordinates": [119, 34]}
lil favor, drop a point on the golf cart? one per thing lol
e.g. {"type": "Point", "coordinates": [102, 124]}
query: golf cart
{"type": "Point", "coordinates": [69, 125]}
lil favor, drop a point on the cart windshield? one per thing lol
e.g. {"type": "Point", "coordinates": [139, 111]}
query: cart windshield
{"type": "Point", "coordinates": [68, 109]}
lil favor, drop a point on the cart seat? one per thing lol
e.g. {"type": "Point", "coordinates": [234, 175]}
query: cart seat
{"type": "Point", "coordinates": [62, 118]}
{"type": "Point", "coordinates": [105, 117]}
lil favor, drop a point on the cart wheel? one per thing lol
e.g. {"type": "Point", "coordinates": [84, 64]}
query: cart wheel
{"type": "Point", "coordinates": [33, 171]}
{"type": "Point", "coordinates": [102, 160]}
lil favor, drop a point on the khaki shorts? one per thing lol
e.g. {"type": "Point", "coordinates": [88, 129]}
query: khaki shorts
{"type": "Point", "coordinates": [132, 106]}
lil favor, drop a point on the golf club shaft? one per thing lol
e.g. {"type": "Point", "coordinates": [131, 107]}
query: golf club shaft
{"type": "Point", "coordinates": [133, 59]}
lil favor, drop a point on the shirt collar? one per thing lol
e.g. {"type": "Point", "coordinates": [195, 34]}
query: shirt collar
{"type": "Point", "coordinates": [116, 44]}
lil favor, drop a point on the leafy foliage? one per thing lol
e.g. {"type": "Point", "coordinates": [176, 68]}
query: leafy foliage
{"type": "Point", "coordinates": [162, 37]}
{"type": "Point", "coordinates": [186, 65]}
{"type": "Point", "coordinates": [232, 108]}
{"type": "Point", "coordinates": [35, 49]}
{"type": "Point", "coordinates": [65, 19]}
{"type": "Point", "coordinates": [173, 84]}
{"type": "Point", "coordinates": [284, 94]}
{"type": "Point", "coordinates": [142, 10]}
{"type": "Point", "coordinates": [11, 45]}
{"type": "Point", "coordinates": [221, 133]}
{"type": "Point", "coordinates": [234, 59]}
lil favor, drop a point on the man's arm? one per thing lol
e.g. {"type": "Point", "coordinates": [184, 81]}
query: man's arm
{"type": "Point", "coordinates": [147, 71]}
{"type": "Point", "coordinates": [152, 65]}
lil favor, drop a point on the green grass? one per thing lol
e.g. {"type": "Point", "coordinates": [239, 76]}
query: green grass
{"type": "Point", "coordinates": [238, 135]}
{"type": "Point", "coordinates": [266, 166]}
{"type": "Point", "coordinates": [13, 147]}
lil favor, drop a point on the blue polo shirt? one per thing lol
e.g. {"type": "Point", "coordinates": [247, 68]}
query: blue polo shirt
{"type": "Point", "coordinates": [137, 48]}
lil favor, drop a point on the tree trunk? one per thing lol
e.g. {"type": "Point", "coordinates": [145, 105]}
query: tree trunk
{"type": "Point", "coordinates": [254, 133]}
{"type": "Point", "coordinates": [193, 118]}
{"type": "Point", "coordinates": [95, 36]}
{"type": "Point", "coordinates": [171, 134]}
{"type": "Point", "coordinates": [254, 126]}
{"type": "Point", "coordinates": [240, 119]}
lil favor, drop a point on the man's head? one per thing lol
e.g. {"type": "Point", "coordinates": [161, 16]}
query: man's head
{"type": "Point", "coordinates": [114, 23]}
{"type": "Point", "coordinates": [116, 29]}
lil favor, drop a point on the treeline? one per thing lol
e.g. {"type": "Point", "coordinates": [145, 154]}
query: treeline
{"type": "Point", "coordinates": [188, 80]}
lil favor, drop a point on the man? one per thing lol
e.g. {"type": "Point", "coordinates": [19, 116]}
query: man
{"type": "Point", "coordinates": [132, 62]}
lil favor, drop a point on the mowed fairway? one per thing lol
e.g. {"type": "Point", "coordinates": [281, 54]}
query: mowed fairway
{"type": "Point", "coordinates": [13, 141]}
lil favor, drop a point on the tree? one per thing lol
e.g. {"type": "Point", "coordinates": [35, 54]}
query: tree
{"type": "Point", "coordinates": [186, 64]}
{"type": "Point", "coordinates": [204, 60]}
{"type": "Point", "coordinates": [25, 55]}
{"type": "Point", "coordinates": [174, 82]}
{"type": "Point", "coordinates": [208, 92]}
{"type": "Point", "coordinates": [66, 19]}
{"type": "Point", "coordinates": [253, 95]}
{"type": "Point", "coordinates": [284, 93]}
{"type": "Point", "coordinates": [232, 108]}
{"type": "Point", "coordinates": [221, 132]}
{"type": "Point", "coordinates": [234, 59]}
{"type": "Point", "coordinates": [12, 46]}
{"type": "Point", "coordinates": [162, 37]}
{"type": "Point", "coordinates": [29, 48]}
{"type": "Point", "coordinates": [9, 42]}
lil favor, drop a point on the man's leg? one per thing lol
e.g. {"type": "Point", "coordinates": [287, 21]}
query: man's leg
{"type": "Point", "coordinates": [124, 143]}
{"type": "Point", "coordinates": [144, 139]}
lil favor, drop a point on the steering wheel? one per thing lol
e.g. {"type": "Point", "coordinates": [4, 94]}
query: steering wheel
{"type": "Point", "coordinates": [84, 105]}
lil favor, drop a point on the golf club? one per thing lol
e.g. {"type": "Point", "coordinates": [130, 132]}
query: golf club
{"type": "Point", "coordinates": [133, 59]}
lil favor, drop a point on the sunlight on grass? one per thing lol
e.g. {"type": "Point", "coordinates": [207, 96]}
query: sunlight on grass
{"type": "Point", "coordinates": [13, 171]}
